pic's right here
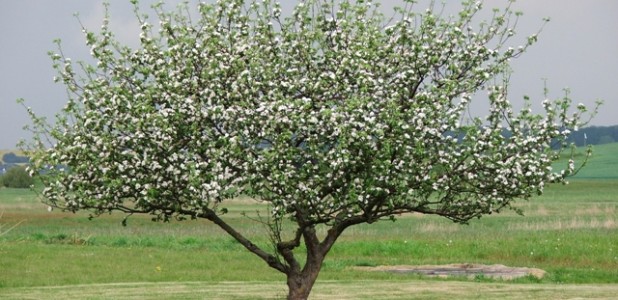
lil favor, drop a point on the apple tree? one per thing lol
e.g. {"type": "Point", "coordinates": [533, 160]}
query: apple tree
{"type": "Point", "coordinates": [334, 114]}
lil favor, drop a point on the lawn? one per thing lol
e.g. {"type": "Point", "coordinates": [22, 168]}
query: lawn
{"type": "Point", "coordinates": [571, 232]}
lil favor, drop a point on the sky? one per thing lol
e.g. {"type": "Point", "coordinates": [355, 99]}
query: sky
{"type": "Point", "coordinates": [577, 49]}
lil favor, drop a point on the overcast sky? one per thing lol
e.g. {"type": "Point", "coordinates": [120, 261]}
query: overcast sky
{"type": "Point", "coordinates": [578, 49]}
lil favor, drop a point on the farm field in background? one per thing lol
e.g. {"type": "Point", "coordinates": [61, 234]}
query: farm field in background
{"type": "Point", "coordinates": [571, 232]}
{"type": "Point", "coordinates": [602, 165]}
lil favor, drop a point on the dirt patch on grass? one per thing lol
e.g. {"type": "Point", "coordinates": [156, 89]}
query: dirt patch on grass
{"type": "Point", "coordinates": [468, 270]}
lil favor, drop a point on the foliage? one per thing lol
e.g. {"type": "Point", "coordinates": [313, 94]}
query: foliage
{"type": "Point", "coordinates": [334, 116]}
{"type": "Point", "coordinates": [13, 158]}
{"type": "Point", "coordinates": [16, 177]}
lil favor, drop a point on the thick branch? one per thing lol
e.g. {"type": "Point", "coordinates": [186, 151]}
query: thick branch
{"type": "Point", "coordinates": [270, 259]}
{"type": "Point", "coordinates": [286, 249]}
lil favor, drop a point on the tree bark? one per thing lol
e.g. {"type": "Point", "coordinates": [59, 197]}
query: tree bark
{"type": "Point", "coordinates": [301, 283]}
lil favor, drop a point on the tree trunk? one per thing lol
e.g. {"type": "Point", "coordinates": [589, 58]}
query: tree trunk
{"type": "Point", "coordinates": [300, 284]}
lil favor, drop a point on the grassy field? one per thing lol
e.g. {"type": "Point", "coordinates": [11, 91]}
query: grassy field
{"type": "Point", "coordinates": [602, 165]}
{"type": "Point", "coordinates": [571, 232]}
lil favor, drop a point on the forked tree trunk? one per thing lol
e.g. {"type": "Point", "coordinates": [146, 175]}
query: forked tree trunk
{"type": "Point", "coordinates": [299, 287]}
{"type": "Point", "coordinates": [301, 283]}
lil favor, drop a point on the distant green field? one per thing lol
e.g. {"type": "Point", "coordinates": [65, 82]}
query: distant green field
{"type": "Point", "coordinates": [603, 163]}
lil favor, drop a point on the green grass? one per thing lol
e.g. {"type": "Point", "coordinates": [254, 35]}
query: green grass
{"type": "Point", "coordinates": [602, 164]}
{"type": "Point", "coordinates": [571, 232]}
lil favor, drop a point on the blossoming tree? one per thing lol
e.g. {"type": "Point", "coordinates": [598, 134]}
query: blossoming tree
{"type": "Point", "coordinates": [334, 116]}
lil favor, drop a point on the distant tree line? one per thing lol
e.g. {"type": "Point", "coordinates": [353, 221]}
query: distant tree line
{"type": "Point", "coordinates": [16, 177]}
{"type": "Point", "coordinates": [595, 135]}
{"type": "Point", "coordinates": [13, 172]}
{"type": "Point", "coordinates": [12, 158]}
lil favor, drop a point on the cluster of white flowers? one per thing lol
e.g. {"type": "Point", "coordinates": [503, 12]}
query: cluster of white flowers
{"type": "Point", "coordinates": [319, 115]}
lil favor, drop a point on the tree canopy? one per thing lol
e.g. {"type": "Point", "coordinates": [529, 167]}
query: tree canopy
{"type": "Point", "coordinates": [333, 115]}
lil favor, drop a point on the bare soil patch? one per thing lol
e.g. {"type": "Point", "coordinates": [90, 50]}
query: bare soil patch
{"type": "Point", "coordinates": [467, 270]}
